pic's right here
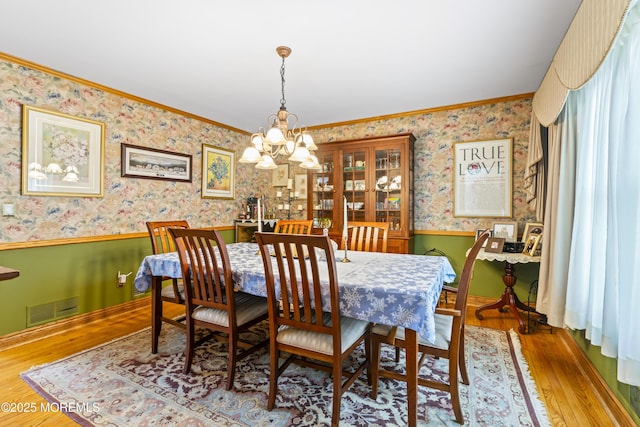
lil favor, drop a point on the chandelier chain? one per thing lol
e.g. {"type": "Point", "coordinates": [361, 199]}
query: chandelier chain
{"type": "Point", "coordinates": [283, 101]}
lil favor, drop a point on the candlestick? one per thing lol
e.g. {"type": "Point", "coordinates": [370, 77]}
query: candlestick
{"type": "Point", "coordinates": [259, 217]}
{"type": "Point", "coordinates": [344, 221]}
{"type": "Point", "coordinates": [289, 184]}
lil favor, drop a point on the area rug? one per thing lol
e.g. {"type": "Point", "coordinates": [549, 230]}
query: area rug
{"type": "Point", "coordinates": [122, 384]}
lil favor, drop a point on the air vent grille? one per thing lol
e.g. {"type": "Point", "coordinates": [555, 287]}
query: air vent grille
{"type": "Point", "coordinates": [48, 312]}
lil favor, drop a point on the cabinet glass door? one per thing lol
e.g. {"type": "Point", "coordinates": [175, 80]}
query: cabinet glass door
{"type": "Point", "coordinates": [323, 192]}
{"type": "Point", "coordinates": [388, 187]}
{"type": "Point", "coordinates": [354, 173]}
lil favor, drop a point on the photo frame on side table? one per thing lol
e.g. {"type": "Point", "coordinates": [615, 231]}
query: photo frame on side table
{"type": "Point", "coordinates": [151, 163]}
{"type": "Point", "coordinates": [62, 155]}
{"type": "Point", "coordinates": [494, 245]}
{"type": "Point", "coordinates": [218, 172]}
{"type": "Point", "coordinates": [479, 231]}
{"type": "Point", "coordinates": [531, 228]}
{"type": "Point", "coordinates": [532, 244]}
{"type": "Point", "coordinates": [482, 178]}
{"type": "Point", "coordinates": [280, 176]}
{"type": "Point", "coordinates": [507, 230]}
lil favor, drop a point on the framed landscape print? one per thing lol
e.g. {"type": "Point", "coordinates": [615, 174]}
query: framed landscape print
{"type": "Point", "coordinates": [62, 155]}
{"type": "Point", "coordinates": [482, 184]}
{"type": "Point", "coordinates": [218, 172]}
{"type": "Point", "coordinates": [145, 162]}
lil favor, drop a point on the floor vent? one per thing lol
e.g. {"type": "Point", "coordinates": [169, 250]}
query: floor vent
{"type": "Point", "coordinates": [43, 313]}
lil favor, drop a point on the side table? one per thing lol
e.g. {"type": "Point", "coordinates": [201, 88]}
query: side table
{"type": "Point", "coordinates": [509, 297]}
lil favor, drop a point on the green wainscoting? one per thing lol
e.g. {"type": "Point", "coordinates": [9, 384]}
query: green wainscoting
{"type": "Point", "coordinates": [607, 367]}
{"type": "Point", "coordinates": [87, 271]}
{"type": "Point", "coordinates": [487, 277]}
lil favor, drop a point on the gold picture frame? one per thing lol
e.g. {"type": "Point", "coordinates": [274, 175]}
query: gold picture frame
{"type": "Point", "coordinates": [218, 172]}
{"type": "Point", "coordinates": [532, 244]}
{"type": "Point", "coordinates": [62, 155]}
{"type": "Point", "coordinates": [532, 228]}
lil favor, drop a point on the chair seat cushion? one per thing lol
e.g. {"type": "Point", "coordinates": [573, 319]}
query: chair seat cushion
{"type": "Point", "coordinates": [351, 329]}
{"type": "Point", "coordinates": [167, 292]}
{"type": "Point", "coordinates": [248, 307]}
{"type": "Point", "coordinates": [443, 332]}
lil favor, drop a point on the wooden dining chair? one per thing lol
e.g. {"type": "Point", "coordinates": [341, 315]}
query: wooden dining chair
{"type": "Point", "coordinates": [300, 327]}
{"type": "Point", "coordinates": [162, 242]}
{"type": "Point", "coordinates": [449, 339]}
{"type": "Point", "coordinates": [368, 236]}
{"type": "Point", "coordinates": [294, 226]}
{"type": "Point", "coordinates": [211, 300]}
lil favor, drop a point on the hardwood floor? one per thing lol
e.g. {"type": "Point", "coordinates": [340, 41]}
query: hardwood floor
{"type": "Point", "coordinates": [563, 381]}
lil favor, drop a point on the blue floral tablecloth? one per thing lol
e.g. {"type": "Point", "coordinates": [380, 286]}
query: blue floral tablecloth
{"type": "Point", "coordinates": [393, 289]}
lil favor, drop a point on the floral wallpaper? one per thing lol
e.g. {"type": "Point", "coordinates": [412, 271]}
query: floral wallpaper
{"type": "Point", "coordinates": [129, 202]}
{"type": "Point", "coordinates": [435, 133]}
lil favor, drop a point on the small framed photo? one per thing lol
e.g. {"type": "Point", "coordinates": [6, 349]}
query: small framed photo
{"type": "Point", "coordinates": [301, 186]}
{"type": "Point", "coordinates": [348, 185]}
{"type": "Point", "coordinates": [532, 244]}
{"type": "Point", "coordinates": [531, 228]}
{"type": "Point", "coordinates": [479, 231]}
{"type": "Point", "coordinates": [151, 163]}
{"type": "Point", "coordinates": [508, 230]}
{"type": "Point", "coordinates": [494, 244]}
{"type": "Point", "coordinates": [62, 155]}
{"type": "Point", "coordinates": [280, 176]}
{"type": "Point", "coordinates": [218, 172]}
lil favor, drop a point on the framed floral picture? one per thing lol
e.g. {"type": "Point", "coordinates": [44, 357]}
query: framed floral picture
{"type": "Point", "coordinates": [62, 155]}
{"type": "Point", "coordinates": [280, 176]}
{"type": "Point", "coordinates": [218, 172]}
{"type": "Point", "coordinates": [301, 186]}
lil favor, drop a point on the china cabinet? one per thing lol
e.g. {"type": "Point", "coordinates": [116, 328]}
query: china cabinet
{"type": "Point", "coordinates": [365, 180]}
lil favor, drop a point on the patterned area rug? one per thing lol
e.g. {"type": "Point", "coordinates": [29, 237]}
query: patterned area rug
{"type": "Point", "coordinates": [121, 384]}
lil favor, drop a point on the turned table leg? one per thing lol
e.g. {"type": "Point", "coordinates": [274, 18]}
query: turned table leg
{"type": "Point", "coordinates": [508, 298]}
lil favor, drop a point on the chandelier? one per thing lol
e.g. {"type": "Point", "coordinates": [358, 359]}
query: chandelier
{"type": "Point", "coordinates": [284, 137]}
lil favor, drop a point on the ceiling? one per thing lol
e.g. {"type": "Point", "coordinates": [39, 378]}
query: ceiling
{"type": "Point", "coordinates": [351, 59]}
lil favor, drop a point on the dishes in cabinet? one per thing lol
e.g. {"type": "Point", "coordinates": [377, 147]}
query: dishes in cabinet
{"type": "Point", "coordinates": [382, 182]}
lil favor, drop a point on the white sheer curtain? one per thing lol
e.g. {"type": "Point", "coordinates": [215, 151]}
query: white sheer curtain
{"type": "Point", "coordinates": [603, 283]}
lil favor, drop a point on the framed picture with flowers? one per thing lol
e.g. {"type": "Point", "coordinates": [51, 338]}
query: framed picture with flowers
{"type": "Point", "coordinates": [218, 172]}
{"type": "Point", "coordinates": [62, 155]}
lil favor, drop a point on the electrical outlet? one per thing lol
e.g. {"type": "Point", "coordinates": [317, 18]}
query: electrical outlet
{"type": "Point", "coordinates": [122, 279]}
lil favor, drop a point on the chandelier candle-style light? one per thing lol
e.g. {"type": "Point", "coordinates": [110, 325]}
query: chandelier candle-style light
{"type": "Point", "coordinates": [284, 137]}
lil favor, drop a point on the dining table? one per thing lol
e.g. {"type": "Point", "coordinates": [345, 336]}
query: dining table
{"type": "Point", "coordinates": [388, 288]}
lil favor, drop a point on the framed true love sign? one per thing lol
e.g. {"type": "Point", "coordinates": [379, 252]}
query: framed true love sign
{"type": "Point", "coordinates": [482, 184]}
